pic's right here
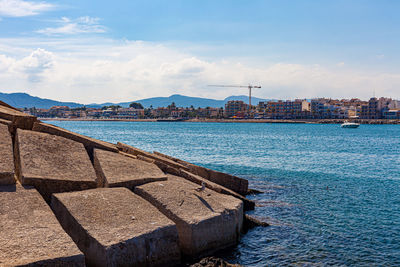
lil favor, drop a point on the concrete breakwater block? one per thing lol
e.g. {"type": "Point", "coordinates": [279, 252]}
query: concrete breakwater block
{"type": "Point", "coordinates": [206, 220]}
{"type": "Point", "coordinates": [234, 183]}
{"type": "Point", "coordinates": [138, 152]}
{"type": "Point", "coordinates": [248, 204]}
{"type": "Point", "coordinates": [115, 169]}
{"type": "Point", "coordinates": [52, 163]}
{"type": "Point", "coordinates": [30, 233]}
{"type": "Point", "coordinates": [6, 157]}
{"type": "Point", "coordinates": [88, 142]}
{"type": "Point", "coordinates": [9, 124]}
{"type": "Point", "coordinates": [115, 227]}
{"type": "Point", "coordinates": [18, 118]}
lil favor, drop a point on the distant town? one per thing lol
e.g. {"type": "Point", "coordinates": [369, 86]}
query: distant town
{"type": "Point", "coordinates": [315, 109]}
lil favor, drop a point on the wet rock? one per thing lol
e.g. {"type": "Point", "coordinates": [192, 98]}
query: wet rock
{"type": "Point", "coordinates": [52, 163]}
{"type": "Point", "coordinates": [118, 170]}
{"type": "Point", "coordinates": [206, 220]}
{"type": "Point", "coordinates": [251, 222]}
{"type": "Point", "coordinates": [115, 227]}
{"type": "Point", "coordinates": [30, 233]}
{"type": "Point", "coordinates": [252, 191]}
{"type": "Point", "coordinates": [213, 262]}
{"type": "Point", "coordinates": [6, 157]}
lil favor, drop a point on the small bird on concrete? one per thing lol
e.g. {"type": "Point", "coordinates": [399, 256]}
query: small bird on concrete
{"type": "Point", "coordinates": [202, 188]}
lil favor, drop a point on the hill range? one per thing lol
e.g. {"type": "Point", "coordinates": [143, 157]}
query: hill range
{"type": "Point", "coordinates": [24, 100]}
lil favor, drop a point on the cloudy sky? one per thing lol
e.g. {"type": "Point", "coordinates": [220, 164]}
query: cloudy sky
{"type": "Point", "coordinates": [98, 51]}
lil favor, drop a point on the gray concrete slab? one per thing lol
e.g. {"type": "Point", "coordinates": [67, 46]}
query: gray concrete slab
{"type": "Point", "coordinates": [138, 152]}
{"type": "Point", "coordinates": [30, 233]}
{"type": "Point", "coordinates": [18, 118]}
{"type": "Point", "coordinates": [52, 163]}
{"type": "Point", "coordinates": [206, 220]}
{"type": "Point", "coordinates": [6, 157]}
{"type": "Point", "coordinates": [88, 142]}
{"type": "Point", "coordinates": [234, 183]}
{"type": "Point", "coordinates": [115, 169]}
{"type": "Point", "coordinates": [115, 227]}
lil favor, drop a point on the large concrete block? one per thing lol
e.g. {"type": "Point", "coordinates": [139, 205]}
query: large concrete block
{"type": "Point", "coordinates": [248, 204]}
{"type": "Point", "coordinates": [30, 234]}
{"type": "Point", "coordinates": [52, 163]}
{"type": "Point", "coordinates": [88, 142]}
{"type": "Point", "coordinates": [18, 118]}
{"type": "Point", "coordinates": [206, 220]}
{"type": "Point", "coordinates": [234, 183]}
{"type": "Point", "coordinates": [138, 152]}
{"type": "Point", "coordinates": [114, 169]}
{"type": "Point", "coordinates": [8, 106]}
{"type": "Point", "coordinates": [115, 227]}
{"type": "Point", "coordinates": [6, 157]}
{"type": "Point", "coordinates": [9, 124]}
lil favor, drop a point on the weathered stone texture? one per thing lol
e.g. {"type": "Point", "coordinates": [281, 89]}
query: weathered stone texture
{"type": "Point", "coordinates": [206, 220]}
{"type": "Point", "coordinates": [9, 124]}
{"type": "Point", "coordinates": [234, 183]}
{"type": "Point", "coordinates": [138, 152]}
{"type": "Point", "coordinates": [6, 157]}
{"type": "Point", "coordinates": [30, 233]}
{"type": "Point", "coordinates": [18, 118]}
{"type": "Point", "coordinates": [4, 104]}
{"type": "Point", "coordinates": [115, 227]}
{"type": "Point", "coordinates": [248, 204]}
{"type": "Point", "coordinates": [115, 169]}
{"type": "Point", "coordinates": [88, 142]}
{"type": "Point", "coordinates": [52, 163]}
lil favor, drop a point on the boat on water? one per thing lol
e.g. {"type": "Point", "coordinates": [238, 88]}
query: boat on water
{"type": "Point", "coordinates": [347, 124]}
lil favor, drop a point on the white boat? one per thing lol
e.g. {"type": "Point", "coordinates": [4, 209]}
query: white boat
{"type": "Point", "coordinates": [347, 124]}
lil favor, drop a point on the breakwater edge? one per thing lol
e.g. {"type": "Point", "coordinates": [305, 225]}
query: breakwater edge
{"type": "Point", "coordinates": [69, 199]}
{"type": "Point", "coordinates": [330, 194]}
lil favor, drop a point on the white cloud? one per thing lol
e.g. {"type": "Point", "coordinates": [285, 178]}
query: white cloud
{"type": "Point", "coordinates": [30, 68]}
{"type": "Point", "coordinates": [20, 8]}
{"type": "Point", "coordinates": [75, 26]}
{"type": "Point", "coordinates": [102, 70]}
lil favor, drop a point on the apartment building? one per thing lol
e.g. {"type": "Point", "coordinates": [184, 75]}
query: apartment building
{"type": "Point", "coordinates": [235, 108]}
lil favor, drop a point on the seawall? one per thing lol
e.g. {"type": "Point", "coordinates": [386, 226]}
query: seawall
{"type": "Point", "coordinates": [68, 199]}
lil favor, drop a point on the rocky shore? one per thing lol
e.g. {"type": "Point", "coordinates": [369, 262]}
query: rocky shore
{"type": "Point", "coordinates": [71, 200]}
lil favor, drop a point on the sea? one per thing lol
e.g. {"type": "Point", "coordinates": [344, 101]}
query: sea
{"type": "Point", "coordinates": [331, 195]}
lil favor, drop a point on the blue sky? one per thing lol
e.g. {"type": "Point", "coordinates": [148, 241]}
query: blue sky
{"type": "Point", "coordinates": [93, 51]}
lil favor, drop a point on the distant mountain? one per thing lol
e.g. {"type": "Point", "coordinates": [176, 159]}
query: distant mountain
{"type": "Point", "coordinates": [23, 100]}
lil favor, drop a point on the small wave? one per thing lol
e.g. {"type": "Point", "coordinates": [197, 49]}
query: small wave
{"type": "Point", "coordinates": [273, 203]}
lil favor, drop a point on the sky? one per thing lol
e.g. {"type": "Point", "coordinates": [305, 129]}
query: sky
{"type": "Point", "coordinates": [114, 51]}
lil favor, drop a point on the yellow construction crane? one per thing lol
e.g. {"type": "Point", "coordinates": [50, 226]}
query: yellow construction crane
{"type": "Point", "coordinates": [240, 86]}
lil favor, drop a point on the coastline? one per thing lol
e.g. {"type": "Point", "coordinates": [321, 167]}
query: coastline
{"type": "Point", "coordinates": [304, 121]}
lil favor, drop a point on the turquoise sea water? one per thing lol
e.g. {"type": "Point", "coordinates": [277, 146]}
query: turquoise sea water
{"type": "Point", "coordinates": [332, 195]}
